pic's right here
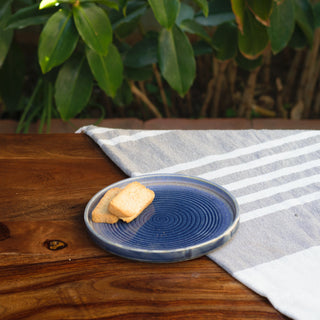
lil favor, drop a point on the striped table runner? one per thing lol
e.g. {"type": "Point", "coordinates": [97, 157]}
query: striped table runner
{"type": "Point", "coordinates": [275, 177]}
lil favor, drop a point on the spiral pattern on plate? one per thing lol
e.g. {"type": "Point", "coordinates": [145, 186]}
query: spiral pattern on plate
{"type": "Point", "coordinates": [179, 217]}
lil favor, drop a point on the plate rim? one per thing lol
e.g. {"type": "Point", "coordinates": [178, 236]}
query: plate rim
{"type": "Point", "coordinates": [227, 233]}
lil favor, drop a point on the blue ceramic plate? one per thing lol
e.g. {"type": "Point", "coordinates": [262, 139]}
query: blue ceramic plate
{"type": "Point", "coordinates": [188, 218]}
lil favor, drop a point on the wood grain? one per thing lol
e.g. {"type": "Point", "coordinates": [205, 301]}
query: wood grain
{"type": "Point", "coordinates": [111, 288]}
{"type": "Point", "coordinates": [46, 182]}
{"type": "Point", "coordinates": [54, 146]}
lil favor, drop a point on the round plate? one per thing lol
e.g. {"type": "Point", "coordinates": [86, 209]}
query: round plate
{"type": "Point", "coordinates": [188, 218]}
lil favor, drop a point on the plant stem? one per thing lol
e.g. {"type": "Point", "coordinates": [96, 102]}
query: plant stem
{"type": "Point", "coordinates": [263, 111]}
{"type": "Point", "coordinates": [297, 111]}
{"type": "Point", "coordinates": [279, 103]}
{"type": "Point", "coordinates": [292, 76]}
{"type": "Point", "coordinates": [141, 105]}
{"type": "Point", "coordinates": [145, 99]}
{"type": "Point", "coordinates": [210, 88]}
{"type": "Point", "coordinates": [232, 77]}
{"type": "Point", "coordinates": [316, 107]}
{"type": "Point", "coordinates": [103, 113]}
{"type": "Point", "coordinates": [45, 111]}
{"type": "Point", "coordinates": [162, 92]}
{"type": "Point", "coordinates": [21, 123]}
{"type": "Point", "coordinates": [43, 118]}
{"type": "Point", "coordinates": [30, 118]}
{"type": "Point", "coordinates": [106, 102]}
{"type": "Point", "coordinates": [248, 95]}
{"type": "Point", "coordinates": [49, 113]}
{"type": "Point", "coordinates": [312, 75]}
{"type": "Point", "coordinates": [207, 98]}
{"type": "Point", "coordinates": [267, 67]}
{"type": "Point", "coordinates": [303, 79]}
{"type": "Point", "coordinates": [216, 99]}
{"type": "Point", "coordinates": [307, 73]}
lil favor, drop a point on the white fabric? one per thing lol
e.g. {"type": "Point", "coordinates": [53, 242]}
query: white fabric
{"type": "Point", "coordinates": [275, 177]}
{"type": "Point", "coordinates": [298, 299]}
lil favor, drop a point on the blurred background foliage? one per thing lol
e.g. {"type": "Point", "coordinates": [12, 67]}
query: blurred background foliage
{"type": "Point", "coordinates": [158, 58]}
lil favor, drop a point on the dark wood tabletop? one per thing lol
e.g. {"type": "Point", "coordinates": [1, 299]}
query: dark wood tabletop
{"type": "Point", "coordinates": [51, 269]}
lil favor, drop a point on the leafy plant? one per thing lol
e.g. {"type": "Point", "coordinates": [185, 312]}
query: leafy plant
{"type": "Point", "coordinates": [85, 44]}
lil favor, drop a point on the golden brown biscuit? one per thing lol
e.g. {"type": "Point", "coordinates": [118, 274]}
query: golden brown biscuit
{"type": "Point", "coordinates": [101, 212]}
{"type": "Point", "coordinates": [131, 201]}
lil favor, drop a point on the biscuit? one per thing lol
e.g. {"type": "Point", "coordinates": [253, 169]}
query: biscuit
{"type": "Point", "coordinates": [131, 201]}
{"type": "Point", "coordinates": [101, 213]}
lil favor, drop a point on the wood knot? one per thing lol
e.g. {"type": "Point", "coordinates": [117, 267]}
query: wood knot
{"type": "Point", "coordinates": [4, 232]}
{"type": "Point", "coordinates": [55, 245]}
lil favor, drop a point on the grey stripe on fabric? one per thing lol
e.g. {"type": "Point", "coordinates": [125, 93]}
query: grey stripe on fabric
{"type": "Point", "coordinates": [176, 148]}
{"type": "Point", "coordinates": [274, 175]}
{"type": "Point", "coordinates": [262, 240]}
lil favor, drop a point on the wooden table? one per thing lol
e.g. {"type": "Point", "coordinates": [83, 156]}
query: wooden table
{"type": "Point", "coordinates": [51, 269]}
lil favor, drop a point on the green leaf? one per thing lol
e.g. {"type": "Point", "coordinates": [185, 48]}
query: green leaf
{"type": "Point", "coordinates": [261, 10]}
{"type": "Point", "coordinates": [304, 18]}
{"type": "Point", "coordinates": [193, 27]}
{"type": "Point", "coordinates": [5, 35]}
{"type": "Point", "coordinates": [126, 21]}
{"type": "Point", "coordinates": [185, 13]}
{"type": "Point", "coordinates": [282, 22]}
{"type": "Point", "coordinates": [133, 12]}
{"type": "Point", "coordinates": [239, 9]}
{"type": "Point", "coordinates": [176, 59]}
{"type": "Point", "coordinates": [51, 3]}
{"type": "Point", "coordinates": [29, 16]}
{"type": "Point", "coordinates": [124, 95]}
{"type": "Point", "coordinates": [58, 40]}
{"type": "Point", "coordinates": [298, 39]}
{"type": "Point", "coordinates": [143, 53]}
{"type": "Point", "coordinates": [225, 41]}
{"type": "Point", "coordinates": [109, 3]}
{"type": "Point", "coordinates": [48, 3]}
{"type": "Point", "coordinates": [123, 3]}
{"type": "Point", "coordinates": [5, 4]}
{"type": "Point", "coordinates": [214, 20]}
{"type": "Point", "coordinates": [254, 38]}
{"type": "Point", "coordinates": [203, 4]}
{"type": "Point", "coordinates": [165, 11]}
{"type": "Point", "coordinates": [107, 70]}
{"type": "Point", "coordinates": [219, 11]}
{"type": "Point", "coordinates": [248, 64]}
{"type": "Point", "coordinates": [93, 26]}
{"type": "Point", "coordinates": [73, 87]}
